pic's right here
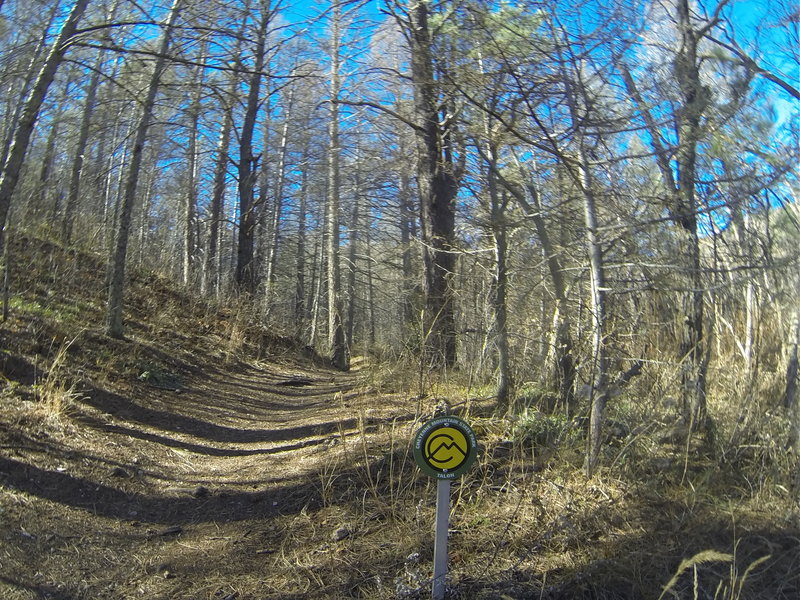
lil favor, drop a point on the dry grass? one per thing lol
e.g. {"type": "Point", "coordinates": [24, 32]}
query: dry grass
{"type": "Point", "coordinates": [336, 508]}
{"type": "Point", "coordinates": [56, 391]}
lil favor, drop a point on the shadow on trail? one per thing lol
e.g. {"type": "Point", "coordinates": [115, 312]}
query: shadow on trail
{"type": "Point", "coordinates": [322, 432]}
{"type": "Point", "coordinates": [47, 592]}
{"type": "Point", "coordinates": [125, 409]}
{"type": "Point", "coordinates": [106, 501]}
{"type": "Point", "coordinates": [280, 386]}
{"type": "Point", "coordinates": [98, 498]}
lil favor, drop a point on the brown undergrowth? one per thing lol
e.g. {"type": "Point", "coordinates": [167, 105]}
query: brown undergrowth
{"type": "Point", "coordinates": [205, 457]}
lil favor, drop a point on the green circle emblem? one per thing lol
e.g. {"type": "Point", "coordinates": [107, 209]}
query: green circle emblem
{"type": "Point", "coordinates": [445, 447]}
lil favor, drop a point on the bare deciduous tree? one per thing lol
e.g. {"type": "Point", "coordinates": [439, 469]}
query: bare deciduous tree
{"type": "Point", "coordinates": [24, 129]}
{"type": "Point", "coordinates": [438, 173]}
{"type": "Point", "coordinates": [119, 253]}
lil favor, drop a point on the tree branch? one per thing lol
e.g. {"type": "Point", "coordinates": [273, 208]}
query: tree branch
{"type": "Point", "coordinates": [752, 64]}
{"type": "Point", "coordinates": [380, 107]}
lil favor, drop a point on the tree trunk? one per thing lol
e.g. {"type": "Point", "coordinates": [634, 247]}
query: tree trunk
{"type": "Point", "coordinates": [80, 149]}
{"type": "Point", "coordinates": [560, 358]}
{"type": "Point", "coordinates": [104, 183]}
{"type": "Point", "coordinates": [79, 160]}
{"type": "Point", "coordinates": [11, 125]}
{"type": "Point", "coordinates": [266, 212]}
{"type": "Point", "coordinates": [791, 400]}
{"type": "Point", "coordinates": [498, 204]}
{"type": "Point", "coordinates": [500, 305]}
{"type": "Point", "coordinates": [211, 275]}
{"type": "Point", "coordinates": [113, 197]}
{"type": "Point", "coordinates": [370, 286]}
{"type": "Point", "coordinates": [22, 135]}
{"type": "Point", "coordinates": [189, 246]}
{"type": "Point", "coordinates": [682, 207]}
{"type": "Point", "coordinates": [337, 343]}
{"type": "Point", "coordinates": [274, 233]}
{"type": "Point", "coordinates": [211, 269]}
{"type": "Point", "coordinates": [45, 209]}
{"type": "Point", "coordinates": [407, 221]}
{"type": "Point", "coordinates": [579, 103]}
{"type": "Point", "coordinates": [559, 355]}
{"type": "Point", "coordinates": [6, 281]}
{"type": "Point", "coordinates": [352, 260]}
{"type": "Point", "coordinates": [694, 103]}
{"type": "Point", "coordinates": [316, 288]}
{"type": "Point", "coordinates": [145, 194]}
{"type": "Point", "coordinates": [437, 183]}
{"type": "Point", "coordinates": [300, 307]}
{"type": "Point", "coordinates": [599, 391]}
{"type": "Point", "coordinates": [114, 325]}
{"type": "Point", "coordinates": [246, 278]}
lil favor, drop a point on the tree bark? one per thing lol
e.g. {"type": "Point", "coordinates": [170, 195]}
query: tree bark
{"type": "Point", "coordinates": [694, 103]}
{"type": "Point", "coordinates": [791, 401]}
{"type": "Point", "coordinates": [354, 244]}
{"type": "Point", "coordinates": [80, 149]}
{"type": "Point", "coordinates": [437, 183]}
{"type": "Point", "coordinates": [337, 342]}
{"type": "Point", "coordinates": [246, 277]}
{"type": "Point", "coordinates": [116, 279]}
{"type": "Point", "coordinates": [22, 135]}
{"type": "Point", "coordinates": [188, 248]}
{"type": "Point", "coordinates": [11, 125]}
{"type": "Point", "coordinates": [599, 391]}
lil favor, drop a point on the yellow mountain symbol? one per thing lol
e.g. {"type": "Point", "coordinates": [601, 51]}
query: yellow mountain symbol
{"type": "Point", "coordinates": [446, 448]}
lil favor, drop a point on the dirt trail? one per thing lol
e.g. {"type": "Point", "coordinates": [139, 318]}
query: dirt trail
{"type": "Point", "coordinates": [178, 489]}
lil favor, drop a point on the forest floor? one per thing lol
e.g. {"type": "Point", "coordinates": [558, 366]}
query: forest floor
{"type": "Point", "coordinates": [205, 458]}
{"type": "Point", "coordinates": [198, 491]}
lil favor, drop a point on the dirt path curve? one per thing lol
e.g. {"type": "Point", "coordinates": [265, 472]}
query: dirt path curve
{"type": "Point", "coordinates": [146, 492]}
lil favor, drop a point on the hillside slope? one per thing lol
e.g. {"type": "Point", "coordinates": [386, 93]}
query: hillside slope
{"type": "Point", "coordinates": [205, 457]}
{"type": "Point", "coordinates": [154, 465]}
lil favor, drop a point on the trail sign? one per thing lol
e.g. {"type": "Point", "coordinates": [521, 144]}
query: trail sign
{"type": "Point", "coordinates": [444, 448]}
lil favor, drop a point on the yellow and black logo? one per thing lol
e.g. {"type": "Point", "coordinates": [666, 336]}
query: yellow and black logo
{"type": "Point", "coordinates": [445, 447]}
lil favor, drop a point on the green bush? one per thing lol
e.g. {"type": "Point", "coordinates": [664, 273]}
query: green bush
{"type": "Point", "coordinates": [541, 430]}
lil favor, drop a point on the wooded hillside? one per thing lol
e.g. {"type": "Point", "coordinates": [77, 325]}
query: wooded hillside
{"type": "Point", "coordinates": [585, 213]}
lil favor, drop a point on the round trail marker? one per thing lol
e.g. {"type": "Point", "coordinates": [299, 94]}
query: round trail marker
{"type": "Point", "coordinates": [444, 448]}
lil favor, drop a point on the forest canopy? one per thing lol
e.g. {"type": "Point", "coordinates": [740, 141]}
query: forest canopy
{"type": "Point", "coordinates": [571, 201]}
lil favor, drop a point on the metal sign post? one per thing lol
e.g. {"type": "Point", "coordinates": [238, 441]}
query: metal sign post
{"type": "Point", "coordinates": [444, 448]}
{"type": "Point", "coordinates": [440, 541]}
